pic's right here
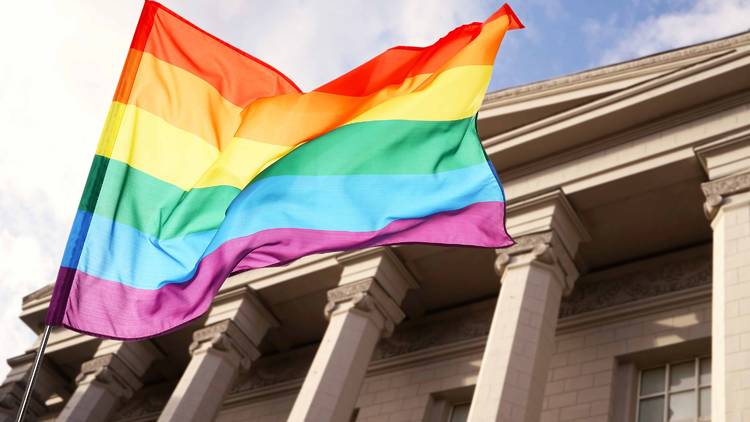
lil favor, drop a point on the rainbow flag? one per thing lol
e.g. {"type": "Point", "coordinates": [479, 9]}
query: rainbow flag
{"type": "Point", "coordinates": [212, 162]}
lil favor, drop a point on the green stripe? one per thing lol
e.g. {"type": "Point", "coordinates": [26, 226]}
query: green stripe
{"type": "Point", "coordinates": [94, 183]}
{"type": "Point", "coordinates": [155, 207]}
{"type": "Point", "coordinates": [386, 147]}
{"type": "Point", "coordinates": [160, 209]}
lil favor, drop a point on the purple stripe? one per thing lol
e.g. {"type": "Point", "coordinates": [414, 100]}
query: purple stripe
{"type": "Point", "coordinates": [109, 309]}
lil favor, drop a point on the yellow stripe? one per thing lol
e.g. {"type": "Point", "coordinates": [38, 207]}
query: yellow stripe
{"type": "Point", "coordinates": [184, 100]}
{"type": "Point", "coordinates": [150, 144]}
{"type": "Point", "coordinates": [240, 162]}
{"type": "Point", "coordinates": [453, 94]}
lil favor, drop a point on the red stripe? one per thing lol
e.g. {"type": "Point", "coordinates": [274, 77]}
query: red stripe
{"type": "Point", "coordinates": [506, 10]}
{"type": "Point", "coordinates": [145, 23]}
{"type": "Point", "coordinates": [238, 76]}
{"type": "Point", "coordinates": [398, 63]}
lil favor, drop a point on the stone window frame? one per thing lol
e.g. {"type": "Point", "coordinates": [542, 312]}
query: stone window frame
{"type": "Point", "coordinates": [626, 374]}
{"type": "Point", "coordinates": [668, 391]}
{"type": "Point", "coordinates": [441, 404]}
{"type": "Point", "coordinates": [453, 409]}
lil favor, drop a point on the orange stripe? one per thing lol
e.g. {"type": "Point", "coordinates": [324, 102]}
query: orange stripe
{"type": "Point", "coordinates": [485, 46]}
{"type": "Point", "coordinates": [294, 118]}
{"type": "Point", "coordinates": [455, 93]}
{"type": "Point", "coordinates": [239, 77]}
{"type": "Point", "coordinates": [127, 77]}
{"type": "Point", "coordinates": [182, 99]}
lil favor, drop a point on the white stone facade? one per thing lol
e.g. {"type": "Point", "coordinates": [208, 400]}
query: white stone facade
{"type": "Point", "coordinates": [629, 198]}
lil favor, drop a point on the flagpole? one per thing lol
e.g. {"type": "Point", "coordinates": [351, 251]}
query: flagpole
{"type": "Point", "coordinates": [34, 372]}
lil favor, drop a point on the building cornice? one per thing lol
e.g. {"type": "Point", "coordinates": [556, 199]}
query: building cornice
{"type": "Point", "coordinates": [617, 101]}
{"type": "Point", "coordinates": [624, 70]}
{"type": "Point", "coordinates": [642, 131]}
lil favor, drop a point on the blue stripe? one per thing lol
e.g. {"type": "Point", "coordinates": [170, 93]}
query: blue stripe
{"type": "Point", "coordinates": [358, 203]}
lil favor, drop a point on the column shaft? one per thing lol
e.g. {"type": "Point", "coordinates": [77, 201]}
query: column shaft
{"type": "Point", "coordinates": [49, 382]}
{"type": "Point", "coordinates": [236, 325]}
{"type": "Point", "coordinates": [211, 375]}
{"type": "Point", "coordinates": [332, 385]}
{"type": "Point", "coordinates": [731, 311]}
{"type": "Point", "coordinates": [363, 308]}
{"type": "Point", "coordinates": [91, 402]}
{"type": "Point", "coordinates": [112, 376]}
{"type": "Point", "coordinates": [534, 275]}
{"type": "Point", "coordinates": [511, 381]}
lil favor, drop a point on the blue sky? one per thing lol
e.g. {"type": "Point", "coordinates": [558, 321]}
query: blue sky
{"type": "Point", "coordinates": [569, 36]}
{"type": "Point", "coordinates": [62, 63]}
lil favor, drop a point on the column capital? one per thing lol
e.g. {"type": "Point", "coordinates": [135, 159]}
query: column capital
{"type": "Point", "coordinates": [539, 249]}
{"type": "Point", "coordinates": [549, 212]}
{"type": "Point", "coordinates": [372, 280]}
{"type": "Point", "coordinates": [11, 395]}
{"type": "Point", "coordinates": [225, 336]}
{"type": "Point", "coordinates": [381, 264]}
{"type": "Point", "coordinates": [110, 371]}
{"type": "Point", "coordinates": [726, 162]}
{"type": "Point", "coordinates": [236, 325]}
{"type": "Point", "coordinates": [49, 381]}
{"type": "Point", "coordinates": [717, 191]}
{"type": "Point", "coordinates": [547, 231]}
{"type": "Point", "coordinates": [119, 366]}
{"type": "Point", "coordinates": [365, 296]}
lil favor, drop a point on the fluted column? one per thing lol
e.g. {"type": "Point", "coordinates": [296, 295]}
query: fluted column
{"type": "Point", "coordinates": [228, 343]}
{"type": "Point", "coordinates": [112, 376]}
{"type": "Point", "coordinates": [49, 382]}
{"type": "Point", "coordinates": [363, 308]}
{"type": "Point", "coordinates": [535, 273]}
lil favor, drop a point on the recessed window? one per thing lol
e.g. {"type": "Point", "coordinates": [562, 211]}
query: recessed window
{"type": "Point", "coordinates": [459, 412]}
{"type": "Point", "coordinates": [676, 392]}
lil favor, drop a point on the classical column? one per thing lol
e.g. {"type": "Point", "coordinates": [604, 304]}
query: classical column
{"type": "Point", "coordinates": [534, 273]}
{"type": "Point", "coordinates": [49, 382]}
{"type": "Point", "coordinates": [727, 206]}
{"type": "Point", "coordinates": [236, 324]}
{"type": "Point", "coordinates": [363, 308]}
{"type": "Point", "coordinates": [112, 376]}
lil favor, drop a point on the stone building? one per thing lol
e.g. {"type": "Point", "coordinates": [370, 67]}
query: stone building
{"type": "Point", "coordinates": [626, 298]}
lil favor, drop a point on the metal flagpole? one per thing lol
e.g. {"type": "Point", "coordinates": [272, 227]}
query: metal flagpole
{"type": "Point", "coordinates": [34, 372]}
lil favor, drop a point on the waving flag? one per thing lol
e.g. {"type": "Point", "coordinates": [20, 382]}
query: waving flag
{"type": "Point", "coordinates": [212, 162]}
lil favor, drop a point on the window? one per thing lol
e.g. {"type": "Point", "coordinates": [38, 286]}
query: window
{"type": "Point", "coordinates": [676, 392]}
{"type": "Point", "coordinates": [449, 405]}
{"type": "Point", "coordinates": [459, 412]}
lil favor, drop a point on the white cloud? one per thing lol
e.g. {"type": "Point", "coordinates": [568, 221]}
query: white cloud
{"type": "Point", "coordinates": [312, 42]}
{"type": "Point", "coordinates": [699, 21]}
{"type": "Point", "coordinates": [59, 68]}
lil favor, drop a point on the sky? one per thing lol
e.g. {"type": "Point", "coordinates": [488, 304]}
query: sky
{"type": "Point", "coordinates": [61, 61]}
